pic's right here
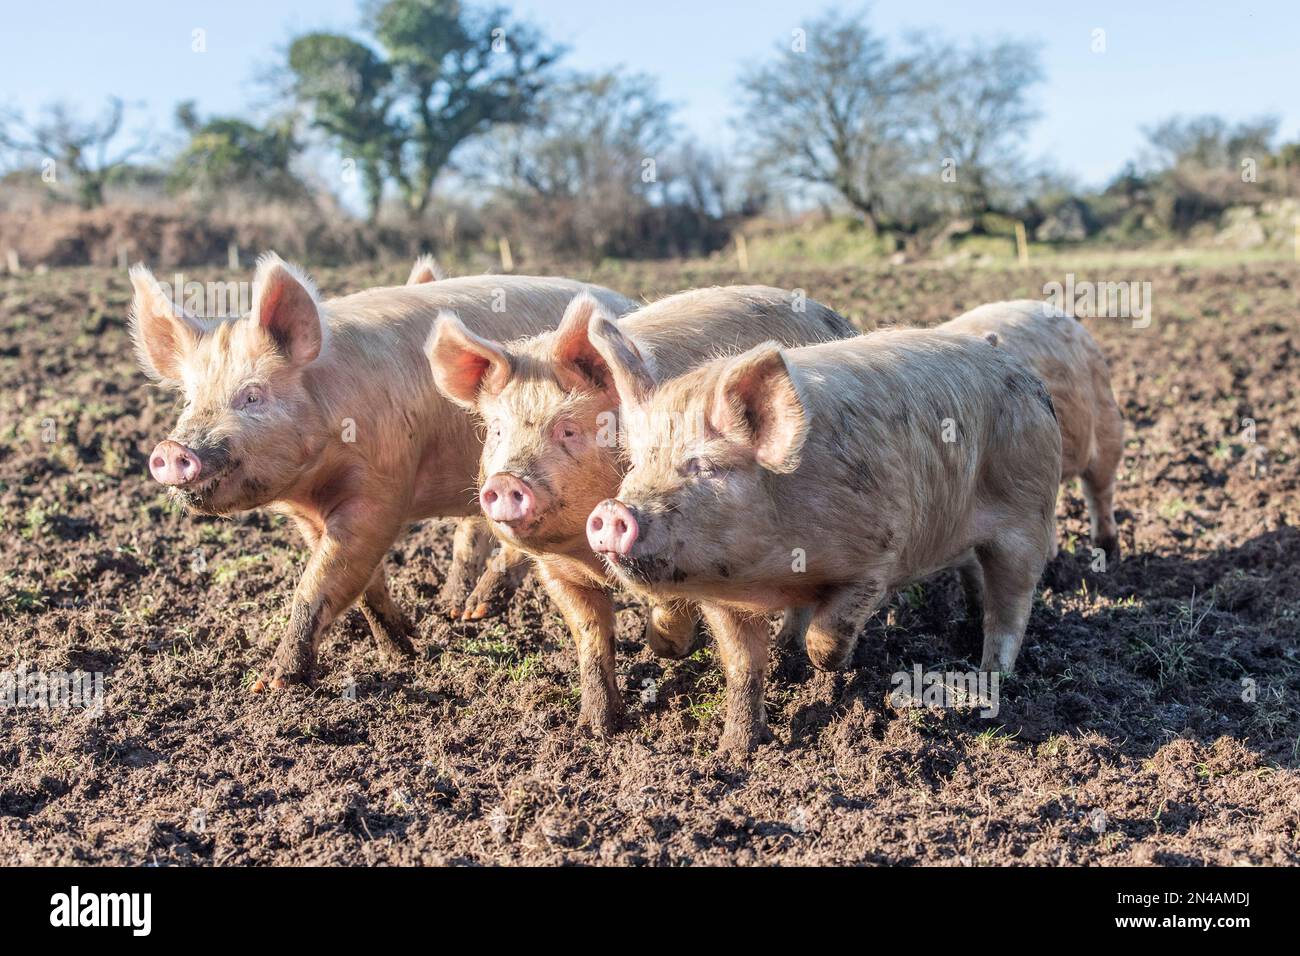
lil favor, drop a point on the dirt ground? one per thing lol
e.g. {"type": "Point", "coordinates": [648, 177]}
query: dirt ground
{"type": "Point", "coordinates": [1155, 716]}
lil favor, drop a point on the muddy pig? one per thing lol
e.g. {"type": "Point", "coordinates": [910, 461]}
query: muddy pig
{"type": "Point", "coordinates": [828, 477]}
{"type": "Point", "coordinates": [1068, 360]}
{"type": "Point", "coordinates": [326, 412]}
{"type": "Point", "coordinates": [552, 449]}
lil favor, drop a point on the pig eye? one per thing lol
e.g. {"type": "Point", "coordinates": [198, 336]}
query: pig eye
{"type": "Point", "coordinates": [703, 467]}
{"type": "Point", "coordinates": [565, 431]}
{"type": "Point", "coordinates": [250, 396]}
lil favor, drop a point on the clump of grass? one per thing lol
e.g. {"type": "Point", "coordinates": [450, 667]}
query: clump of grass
{"type": "Point", "coordinates": [17, 599]}
{"type": "Point", "coordinates": [1174, 509]}
{"type": "Point", "coordinates": [503, 655]}
{"type": "Point", "coordinates": [35, 519]}
{"type": "Point", "coordinates": [495, 650]}
{"type": "Point", "coordinates": [705, 708]}
{"type": "Point", "coordinates": [1273, 711]}
{"type": "Point", "coordinates": [915, 597]}
{"type": "Point", "coordinates": [1172, 653]}
{"type": "Point", "coordinates": [706, 702]}
{"type": "Point", "coordinates": [994, 738]}
{"type": "Point", "coordinates": [1052, 746]}
{"type": "Point", "coordinates": [226, 571]}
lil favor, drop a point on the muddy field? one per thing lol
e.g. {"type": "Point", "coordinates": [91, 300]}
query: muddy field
{"type": "Point", "coordinates": [1155, 717]}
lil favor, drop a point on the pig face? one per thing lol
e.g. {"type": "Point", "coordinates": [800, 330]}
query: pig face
{"type": "Point", "coordinates": [696, 507]}
{"type": "Point", "coordinates": [243, 435]}
{"type": "Point", "coordinates": [547, 407]}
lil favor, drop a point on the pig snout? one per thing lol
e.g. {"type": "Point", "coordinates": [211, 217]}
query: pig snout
{"type": "Point", "coordinates": [507, 498]}
{"type": "Point", "coordinates": [612, 528]}
{"type": "Point", "coordinates": [171, 463]}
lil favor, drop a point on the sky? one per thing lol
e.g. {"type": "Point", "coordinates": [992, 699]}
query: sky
{"type": "Point", "coordinates": [1160, 57]}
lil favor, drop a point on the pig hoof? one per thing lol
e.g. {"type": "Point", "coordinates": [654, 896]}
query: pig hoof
{"type": "Point", "coordinates": [829, 658]}
{"type": "Point", "coordinates": [1110, 547]}
{"type": "Point", "coordinates": [742, 741]}
{"type": "Point", "coordinates": [398, 655]}
{"type": "Point", "coordinates": [279, 680]}
{"type": "Point", "coordinates": [396, 649]}
{"type": "Point", "coordinates": [262, 685]}
{"type": "Point", "coordinates": [600, 726]}
{"type": "Point", "coordinates": [477, 612]}
{"type": "Point", "coordinates": [451, 599]}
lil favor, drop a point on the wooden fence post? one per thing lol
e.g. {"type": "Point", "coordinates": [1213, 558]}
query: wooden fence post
{"type": "Point", "coordinates": [1022, 243]}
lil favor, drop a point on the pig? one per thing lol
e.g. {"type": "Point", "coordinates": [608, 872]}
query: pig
{"type": "Point", "coordinates": [425, 269]}
{"type": "Point", "coordinates": [552, 450]}
{"type": "Point", "coordinates": [1068, 360]}
{"type": "Point", "coordinates": [828, 477]}
{"type": "Point", "coordinates": [507, 567]}
{"type": "Point", "coordinates": [326, 412]}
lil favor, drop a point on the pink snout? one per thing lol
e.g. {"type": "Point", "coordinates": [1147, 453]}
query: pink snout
{"type": "Point", "coordinates": [611, 529]}
{"type": "Point", "coordinates": [173, 464]}
{"type": "Point", "coordinates": [507, 498]}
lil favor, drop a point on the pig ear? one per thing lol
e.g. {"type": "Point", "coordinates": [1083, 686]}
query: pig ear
{"type": "Point", "coordinates": [622, 359]}
{"type": "Point", "coordinates": [425, 270]}
{"type": "Point", "coordinates": [463, 363]}
{"type": "Point", "coordinates": [285, 306]}
{"type": "Point", "coordinates": [162, 334]}
{"type": "Point", "coordinates": [757, 404]}
{"type": "Point", "coordinates": [577, 362]}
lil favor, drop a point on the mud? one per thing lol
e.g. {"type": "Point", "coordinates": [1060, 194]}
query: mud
{"type": "Point", "coordinates": [1155, 717]}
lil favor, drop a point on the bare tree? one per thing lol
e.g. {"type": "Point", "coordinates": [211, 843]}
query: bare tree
{"type": "Point", "coordinates": [830, 110]}
{"type": "Point", "coordinates": [586, 165]}
{"type": "Point", "coordinates": [78, 146]}
{"type": "Point", "coordinates": [590, 133]}
{"type": "Point", "coordinates": [1209, 142]}
{"type": "Point", "coordinates": [973, 106]}
{"type": "Point", "coordinates": [1195, 166]}
{"type": "Point", "coordinates": [713, 185]}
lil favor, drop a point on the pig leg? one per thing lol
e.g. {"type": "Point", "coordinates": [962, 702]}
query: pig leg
{"type": "Point", "coordinates": [470, 547]}
{"type": "Point", "coordinates": [742, 642]}
{"type": "Point", "coordinates": [672, 629]}
{"type": "Point", "coordinates": [794, 626]}
{"type": "Point", "coordinates": [1011, 571]}
{"type": "Point", "coordinates": [505, 572]}
{"type": "Point", "coordinates": [589, 612]}
{"type": "Point", "coordinates": [972, 587]}
{"type": "Point", "coordinates": [347, 555]}
{"type": "Point", "coordinates": [388, 624]}
{"type": "Point", "coordinates": [1099, 493]}
{"type": "Point", "coordinates": [833, 633]}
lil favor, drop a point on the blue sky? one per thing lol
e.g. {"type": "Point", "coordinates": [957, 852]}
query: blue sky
{"type": "Point", "coordinates": [1239, 59]}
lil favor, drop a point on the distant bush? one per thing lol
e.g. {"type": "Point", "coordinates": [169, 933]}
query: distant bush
{"type": "Point", "coordinates": [178, 235]}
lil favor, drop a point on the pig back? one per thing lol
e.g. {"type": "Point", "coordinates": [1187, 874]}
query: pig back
{"type": "Point", "coordinates": [374, 371]}
{"type": "Point", "coordinates": [920, 442]}
{"type": "Point", "coordinates": [681, 331]}
{"type": "Point", "coordinates": [1063, 354]}
{"type": "Point", "coordinates": [377, 337]}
